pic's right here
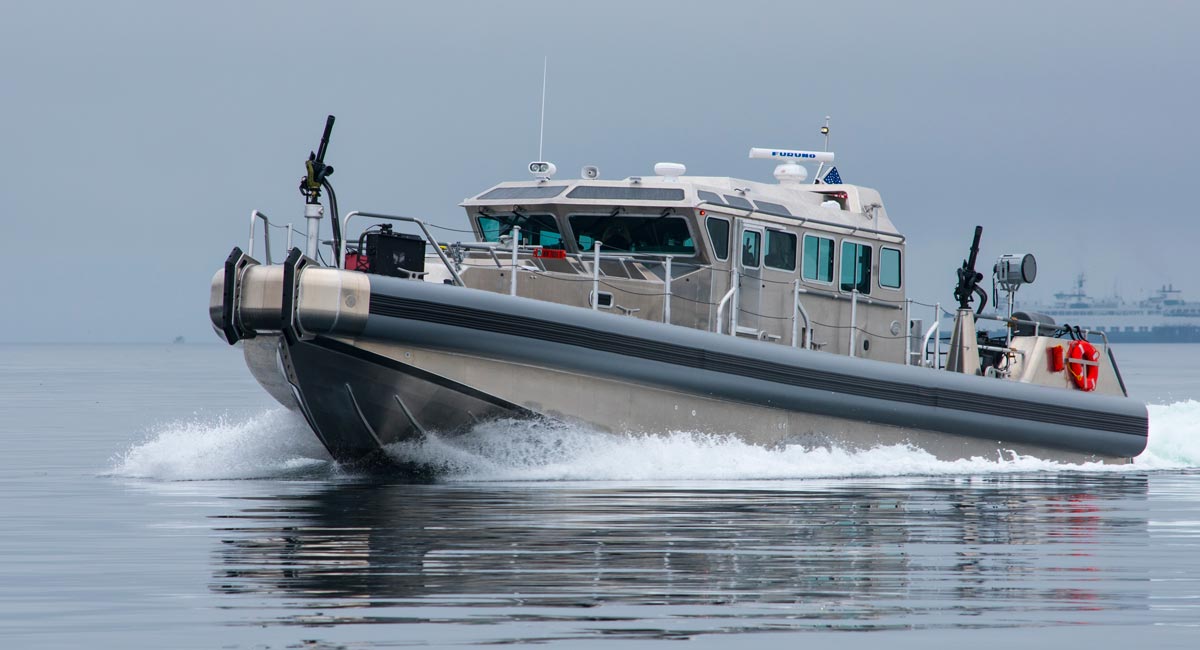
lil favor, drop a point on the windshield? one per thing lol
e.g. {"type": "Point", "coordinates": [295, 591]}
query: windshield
{"type": "Point", "coordinates": [536, 229]}
{"type": "Point", "coordinates": [666, 234]}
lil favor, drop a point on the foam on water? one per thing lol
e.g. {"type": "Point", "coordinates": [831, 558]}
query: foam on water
{"type": "Point", "coordinates": [1174, 437]}
{"type": "Point", "coordinates": [278, 444]}
{"type": "Point", "coordinates": [273, 444]}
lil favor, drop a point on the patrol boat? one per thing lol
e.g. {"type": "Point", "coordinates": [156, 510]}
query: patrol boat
{"type": "Point", "coordinates": [775, 312]}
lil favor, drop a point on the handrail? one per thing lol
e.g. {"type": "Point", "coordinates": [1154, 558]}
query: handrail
{"type": "Point", "coordinates": [667, 290]}
{"type": "Point", "coordinates": [889, 304]}
{"type": "Point", "coordinates": [925, 345]}
{"type": "Point", "coordinates": [908, 327]}
{"type": "Point", "coordinates": [1010, 320]}
{"type": "Point", "coordinates": [721, 305]}
{"type": "Point", "coordinates": [595, 273]}
{"type": "Point", "coordinates": [995, 348]}
{"type": "Point", "coordinates": [254, 216]}
{"type": "Point", "coordinates": [516, 251]}
{"type": "Point", "coordinates": [796, 291]}
{"type": "Point", "coordinates": [853, 321]}
{"type": "Point", "coordinates": [391, 217]}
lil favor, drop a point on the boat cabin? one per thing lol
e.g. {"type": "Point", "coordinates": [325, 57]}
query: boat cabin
{"type": "Point", "coordinates": [808, 265]}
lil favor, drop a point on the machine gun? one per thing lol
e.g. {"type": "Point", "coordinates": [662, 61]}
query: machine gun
{"type": "Point", "coordinates": [969, 278]}
{"type": "Point", "coordinates": [316, 176]}
{"type": "Point", "coordinates": [316, 170]}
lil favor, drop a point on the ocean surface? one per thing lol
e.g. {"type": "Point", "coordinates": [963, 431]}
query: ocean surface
{"type": "Point", "coordinates": [154, 496]}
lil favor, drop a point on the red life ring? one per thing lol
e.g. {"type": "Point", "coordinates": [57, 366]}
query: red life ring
{"type": "Point", "coordinates": [1085, 375]}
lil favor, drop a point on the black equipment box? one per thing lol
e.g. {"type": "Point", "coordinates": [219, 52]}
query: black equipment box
{"type": "Point", "coordinates": [396, 254]}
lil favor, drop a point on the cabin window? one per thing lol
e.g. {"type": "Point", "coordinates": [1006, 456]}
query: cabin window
{"type": "Point", "coordinates": [889, 268]}
{"type": "Point", "coordinates": [772, 208]}
{"type": "Point", "coordinates": [718, 232]}
{"type": "Point", "coordinates": [751, 245]}
{"type": "Point", "coordinates": [738, 202]}
{"type": "Point", "coordinates": [663, 234]}
{"type": "Point", "coordinates": [781, 250]}
{"type": "Point", "coordinates": [856, 267]}
{"type": "Point", "coordinates": [709, 197]}
{"type": "Point", "coordinates": [536, 229]}
{"type": "Point", "coordinates": [818, 259]}
{"type": "Point", "coordinates": [626, 193]}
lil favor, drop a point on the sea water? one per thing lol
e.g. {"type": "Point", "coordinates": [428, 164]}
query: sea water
{"type": "Point", "coordinates": [154, 496]}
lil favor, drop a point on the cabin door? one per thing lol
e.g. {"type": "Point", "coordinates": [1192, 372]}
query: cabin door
{"type": "Point", "coordinates": [749, 264]}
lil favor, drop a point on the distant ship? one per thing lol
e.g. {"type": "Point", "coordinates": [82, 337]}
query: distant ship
{"type": "Point", "coordinates": [1164, 317]}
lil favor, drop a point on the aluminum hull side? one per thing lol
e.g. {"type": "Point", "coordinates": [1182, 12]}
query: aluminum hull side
{"type": "Point", "coordinates": [358, 403]}
{"type": "Point", "coordinates": [520, 337]}
{"type": "Point", "coordinates": [620, 406]}
{"type": "Point", "coordinates": [594, 343]}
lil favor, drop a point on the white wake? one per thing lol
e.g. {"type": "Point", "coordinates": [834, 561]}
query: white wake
{"type": "Point", "coordinates": [273, 444]}
{"type": "Point", "coordinates": [278, 444]}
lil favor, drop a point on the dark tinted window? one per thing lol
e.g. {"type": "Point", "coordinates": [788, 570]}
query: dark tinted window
{"type": "Point", "coordinates": [626, 193]}
{"type": "Point", "coordinates": [889, 268]}
{"type": "Point", "coordinates": [738, 202]}
{"type": "Point", "coordinates": [781, 250]}
{"type": "Point", "coordinates": [634, 234]}
{"type": "Point", "coordinates": [818, 259]}
{"type": "Point", "coordinates": [750, 248]}
{"type": "Point", "coordinates": [718, 231]}
{"type": "Point", "coordinates": [536, 192]}
{"type": "Point", "coordinates": [710, 197]}
{"type": "Point", "coordinates": [856, 267]}
{"type": "Point", "coordinates": [536, 229]}
{"type": "Point", "coordinates": [772, 208]}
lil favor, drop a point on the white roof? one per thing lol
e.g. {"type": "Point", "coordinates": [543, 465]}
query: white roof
{"type": "Point", "coordinates": [864, 207]}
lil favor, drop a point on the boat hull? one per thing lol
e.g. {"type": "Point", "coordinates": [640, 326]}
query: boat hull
{"type": "Point", "coordinates": [426, 358]}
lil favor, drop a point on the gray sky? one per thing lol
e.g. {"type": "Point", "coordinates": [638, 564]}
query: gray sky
{"type": "Point", "coordinates": [135, 137]}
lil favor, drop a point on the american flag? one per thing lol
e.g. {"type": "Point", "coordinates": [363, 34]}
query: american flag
{"type": "Point", "coordinates": [832, 177]}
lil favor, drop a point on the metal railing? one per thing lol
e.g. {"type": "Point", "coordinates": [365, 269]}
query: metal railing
{"type": "Point", "coordinates": [734, 282]}
{"type": "Point", "coordinates": [801, 311]}
{"type": "Point", "coordinates": [254, 217]}
{"type": "Point", "coordinates": [437, 247]}
{"type": "Point", "coordinates": [935, 330]}
{"type": "Point", "coordinates": [853, 321]}
{"type": "Point", "coordinates": [934, 334]}
{"type": "Point", "coordinates": [1012, 322]}
{"type": "Point", "coordinates": [728, 308]}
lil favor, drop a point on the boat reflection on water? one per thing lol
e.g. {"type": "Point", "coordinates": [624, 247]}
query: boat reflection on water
{"type": "Point", "coordinates": [655, 561]}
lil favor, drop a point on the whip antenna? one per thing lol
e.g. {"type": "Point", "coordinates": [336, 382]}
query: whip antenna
{"type": "Point", "coordinates": [542, 121]}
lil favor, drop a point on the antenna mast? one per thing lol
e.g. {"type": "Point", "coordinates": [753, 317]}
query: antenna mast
{"type": "Point", "coordinates": [821, 167]}
{"type": "Point", "coordinates": [542, 121]}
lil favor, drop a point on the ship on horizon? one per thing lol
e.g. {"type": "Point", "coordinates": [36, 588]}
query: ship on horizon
{"type": "Point", "coordinates": [1164, 317]}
